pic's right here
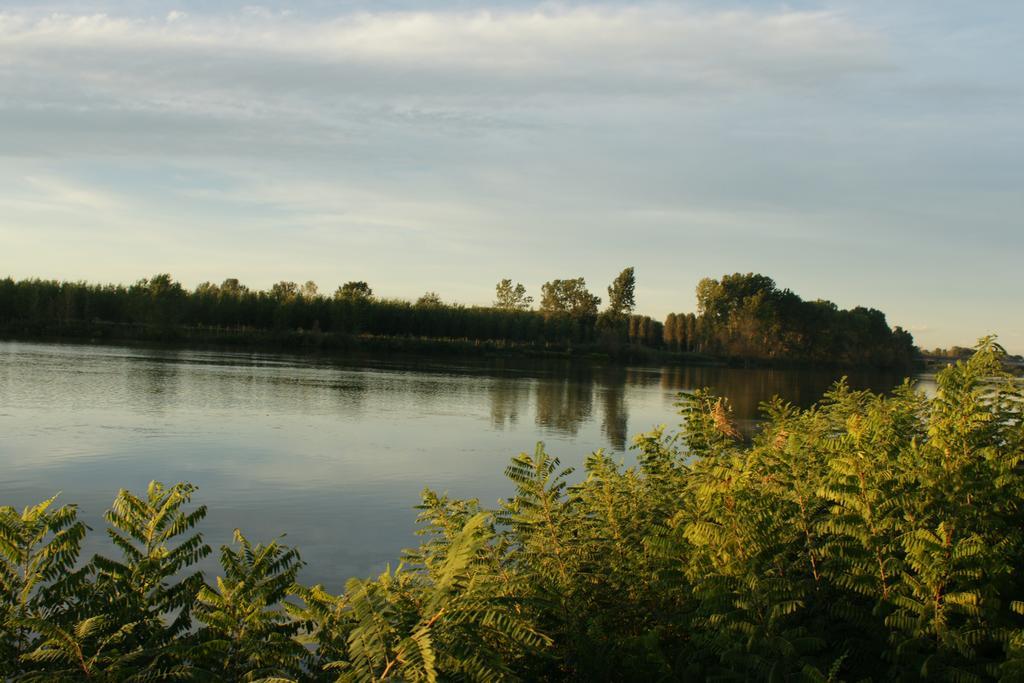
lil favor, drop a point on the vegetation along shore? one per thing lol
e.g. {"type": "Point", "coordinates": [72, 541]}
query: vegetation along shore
{"type": "Point", "coordinates": [740, 318]}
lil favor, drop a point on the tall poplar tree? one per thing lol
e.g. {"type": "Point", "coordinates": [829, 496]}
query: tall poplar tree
{"type": "Point", "coordinates": [621, 297]}
{"type": "Point", "coordinates": [669, 331]}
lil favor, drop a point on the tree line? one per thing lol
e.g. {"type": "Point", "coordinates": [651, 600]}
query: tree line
{"type": "Point", "coordinates": [749, 316]}
{"type": "Point", "coordinates": [739, 316]}
{"type": "Point", "coordinates": [868, 538]}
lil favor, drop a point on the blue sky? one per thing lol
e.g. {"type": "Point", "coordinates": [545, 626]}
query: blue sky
{"type": "Point", "coordinates": [865, 152]}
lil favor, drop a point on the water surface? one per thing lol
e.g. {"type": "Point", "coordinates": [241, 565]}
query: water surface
{"type": "Point", "coordinates": [332, 452]}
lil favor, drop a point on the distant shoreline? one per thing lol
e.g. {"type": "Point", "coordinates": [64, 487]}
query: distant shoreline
{"type": "Point", "coordinates": [317, 342]}
{"type": "Point", "coordinates": [742, 320]}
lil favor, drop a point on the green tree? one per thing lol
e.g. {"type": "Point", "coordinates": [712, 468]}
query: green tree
{"type": "Point", "coordinates": [670, 331]}
{"type": "Point", "coordinates": [146, 588]}
{"type": "Point", "coordinates": [231, 287]}
{"type": "Point", "coordinates": [682, 332]}
{"type": "Point", "coordinates": [207, 289]}
{"type": "Point", "coordinates": [509, 298]}
{"type": "Point", "coordinates": [568, 296]}
{"type": "Point", "coordinates": [284, 291]}
{"type": "Point", "coordinates": [247, 632]}
{"type": "Point", "coordinates": [160, 300]}
{"type": "Point", "coordinates": [430, 300]}
{"type": "Point", "coordinates": [38, 551]}
{"type": "Point", "coordinates": [621, 298]}
{"type": "Point", "coordinates": [693, 333]}
{"type": "Point", "coordinates": [354, 291]}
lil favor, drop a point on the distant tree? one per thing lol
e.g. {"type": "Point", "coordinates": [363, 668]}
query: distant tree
{"type": "Point", "coordinates": [709, 295]}
{"type": "Point", "coordinates": [670, 331]}
{"type": "Point", "coordinates": [742, 316]}
{"type": "Point", "coordinates": [951, 352]}
{"type": "Point", "coordinates": [159, 300]}
{"type": "Point", "coordinates": [285, 290]}
{"type": "Point", "coordinates": [748, 316]}
{"type": "Point", "coordinates": [162, 285]}
{"type": "Point", "coordinates": [692, 333]}
{"type": "Point", "coordinates": [621, 298]}
{"type": "Point", "coordinates": [682, 333]}
{"type": "Point", "coordinates": [717, 299]}
{"type": "Point", "coordinates": [568, 296]}
{"type": "Point", "coordinates": [233, 288]}
{"type": "Point", "coordinates": [203, 303]}
{"type": "Point", "coordinates": [657, 333]}
{"type": "Point", "coordinates": [903, 342]}
{"type": "Point", "coordinates": [430, 300]}
{"type": "Point", "coordinates": [509, 298]}
{"type": "Point", "coordinates": [354, 291]}
{"type": "Point", "coordinates": [645, 330]}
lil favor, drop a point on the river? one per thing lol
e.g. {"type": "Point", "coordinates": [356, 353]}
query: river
{"type": "Point", "coordinates": [333, 452]}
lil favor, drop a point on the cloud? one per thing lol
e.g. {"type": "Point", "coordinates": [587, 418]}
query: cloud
{"type": "Point", "coordinates": [57, 192]}
{"type": "Point", "coordinates": [370, 101]}
{"type": "Point", "coordinates": [257, 65]}
{"type": "Point", "coordinates": [54, 195]}
{"type": "Point", "coordinates": [728, 45]}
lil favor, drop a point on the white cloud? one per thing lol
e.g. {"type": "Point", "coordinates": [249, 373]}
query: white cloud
{"type": "Point", "coordinates": [656, 50]}
{"type": "Point", "coordinates": [391, 89]}
{"type": "Point", "coordinates": [61, 194]}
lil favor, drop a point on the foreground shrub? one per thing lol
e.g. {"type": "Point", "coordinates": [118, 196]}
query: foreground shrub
{"type": "Point", "coordinates": [866, 538]}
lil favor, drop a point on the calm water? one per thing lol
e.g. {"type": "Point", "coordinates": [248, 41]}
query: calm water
{"type": "Point", "coordinates": [333, 453]}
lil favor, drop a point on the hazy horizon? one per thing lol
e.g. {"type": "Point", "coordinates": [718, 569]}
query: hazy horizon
{"type": "Point", "coordinates": [857, 152]}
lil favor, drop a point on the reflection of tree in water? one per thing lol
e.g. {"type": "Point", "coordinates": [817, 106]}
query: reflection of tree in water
{"type": "Point", "coordinates": [155, 380]}
{"type": "Point", "coordinates": [350, 393]}
{"type": "Point", "coordinates": [642, 377]}
{"type": "Point", "coordinates": [564, 402]}
{"type": "Point", "coordinates": [748, 388]}
{"type": "Point", "coordinates": [672, 378]}
{"type": "Point", "coordinates": [611, 383]}
{"type": "Point", "coordinates": [508, 397]}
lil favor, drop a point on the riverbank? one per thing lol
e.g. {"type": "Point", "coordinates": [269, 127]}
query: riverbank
{"type": "Point", "coordinates": [316, 341]}
{"type": "Point", "coordinates": [776, 328]}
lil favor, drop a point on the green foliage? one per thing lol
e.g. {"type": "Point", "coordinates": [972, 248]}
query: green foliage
{"type": "Point", "coordinates": [868, 538]}
{"type": "Point", "coordinates": [569, 297]}
{"type": "Point", "coordinates": [509, 298]}
{"type": "Point", "coordinates": [747, 316]}
{"type": "Point", "coordinates": [741, 316]}
{"type": "Point", "coordinates": [430, 300]}
{"type": "Point", "coordinates": [621, 294]}
{"type": "Point", "coordinates": [38, 552]}
{"type": "Point", "coordinates": [247, 632]}
{"type": "Point", "coordinates": [354, 291]}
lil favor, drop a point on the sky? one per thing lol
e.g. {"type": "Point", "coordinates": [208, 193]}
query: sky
{"type": "Point", "coordinates": [870, 153]}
